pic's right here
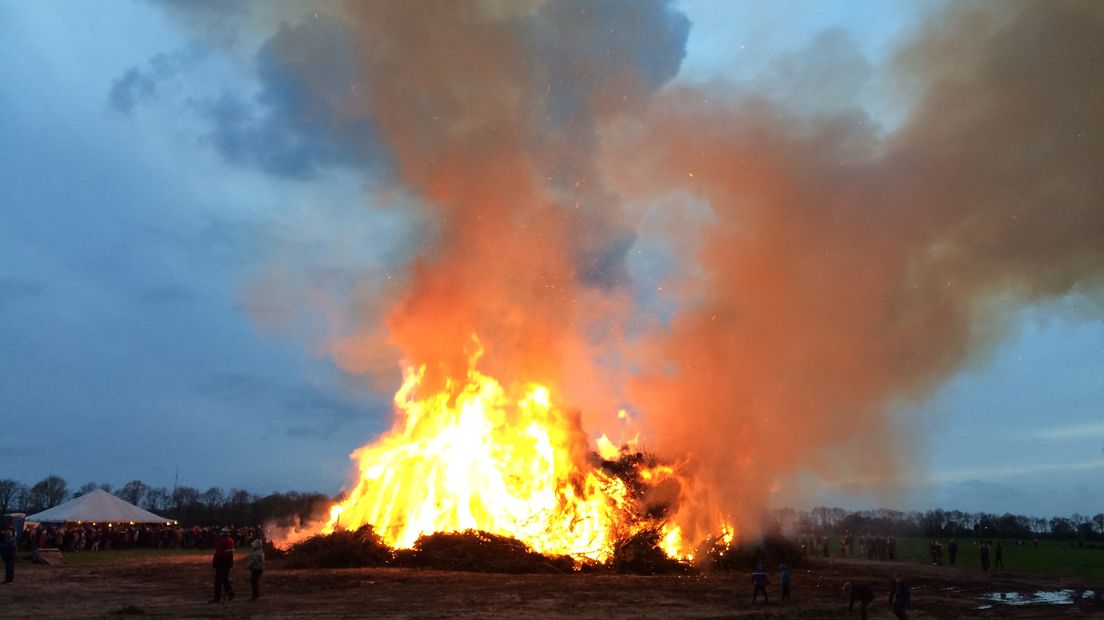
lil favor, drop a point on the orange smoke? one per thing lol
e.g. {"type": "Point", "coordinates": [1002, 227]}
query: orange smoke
{"type": "Point", "coordinates": [829, 273]}
{"type": "Point", "coordinates": [842, 273]}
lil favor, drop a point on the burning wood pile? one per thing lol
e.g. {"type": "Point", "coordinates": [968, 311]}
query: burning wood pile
{"type": "Point", "coordinates": [638, 548]}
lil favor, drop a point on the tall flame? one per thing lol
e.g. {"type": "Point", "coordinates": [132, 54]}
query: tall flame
{"type": "Point", "coordinates": [472, 457]}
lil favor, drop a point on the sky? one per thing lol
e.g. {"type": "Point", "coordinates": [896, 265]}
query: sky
{"type": "Point", "coordinates": [187, 240]}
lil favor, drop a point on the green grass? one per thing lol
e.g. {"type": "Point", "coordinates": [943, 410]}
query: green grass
{"type": "Point", "coordinates": [88, 558]}
{"type": "Point", "coordinates": [1050, 558]}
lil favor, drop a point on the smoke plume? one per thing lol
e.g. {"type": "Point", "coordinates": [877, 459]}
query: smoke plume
{"type": "Point", "coordinates": [832, 271]}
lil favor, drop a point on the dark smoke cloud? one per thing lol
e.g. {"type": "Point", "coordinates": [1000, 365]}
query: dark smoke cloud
{"type": "Point", "coordinates": [840, 273]}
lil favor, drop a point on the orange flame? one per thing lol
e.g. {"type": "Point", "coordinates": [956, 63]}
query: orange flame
{"type": "Point", "coordinates": [472, 457]}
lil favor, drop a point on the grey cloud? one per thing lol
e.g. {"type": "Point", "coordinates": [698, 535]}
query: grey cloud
{"type": "Point", "coordinates": [128, 90]}
{"type": "Point", "coordinates": [316, 411]}
{"type": "Point", "coordinates": [298, 123]}
{"type": "Point", "coordinates": [139, 84]}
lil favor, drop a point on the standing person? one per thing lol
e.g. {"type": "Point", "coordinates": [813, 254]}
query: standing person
{"type": "Point", "coordinates": [223, 561]}
{"type": "Point", "coordinates": [256, 567]}
{"type": "Point", "coordinates": [900, 597]}
{"type": "Point", "coordinates": [998, 556]}
{"type": "Point", "coordinates": [952, 551]}
{"type": "Point", "coordinates": [784, 578]}
{"type": "Point", "coordinates": [7, 550]}
{"type": "Point", "coordinates": [760, 580]}
{"type": "Point", "coordinates": [984, 553]}
{"type": "Point", "coordinates": [860, 593]}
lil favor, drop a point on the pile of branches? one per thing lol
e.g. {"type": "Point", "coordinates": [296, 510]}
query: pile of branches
{"type": "Point", "coordinates": [477, 551]}
{"type": "Point", "coordinates": [641, 554]}
{"type": "Point", "coordinates": [342, 549]}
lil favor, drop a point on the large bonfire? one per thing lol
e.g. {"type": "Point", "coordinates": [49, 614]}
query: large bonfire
{"type": "Point", "coordinates": [478, 456]}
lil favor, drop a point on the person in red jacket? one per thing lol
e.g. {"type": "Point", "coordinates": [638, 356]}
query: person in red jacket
{"type": "Point", "coordinates": [223, 561]}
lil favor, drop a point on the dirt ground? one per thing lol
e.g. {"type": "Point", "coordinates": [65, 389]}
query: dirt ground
{"type": "Point", "coordinates": [180, 586]}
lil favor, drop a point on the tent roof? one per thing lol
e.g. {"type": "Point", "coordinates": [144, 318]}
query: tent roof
{"type": "Point", "coordinates": [97, 506]}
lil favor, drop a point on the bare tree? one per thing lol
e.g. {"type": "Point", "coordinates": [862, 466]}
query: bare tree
{"type": "Point", "coordinates": [134, 491]}
{"type": "Point", "coordinates": [157, 498]}
{"type": "Point", "coordinates": [10, 491]}
{"type": "Point", "coordinates": [48, 492]}
{"type": "Point", "coordinates": [85, 488]}
{"type": "Point", "coordinates": [214, 498]}
{"type": "Point", "coordinates": [185, 500]}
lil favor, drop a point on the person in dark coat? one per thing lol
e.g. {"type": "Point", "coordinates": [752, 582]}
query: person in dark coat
{"type": "Point", "coordinates": [223, 561]}
{"type": "Point", "coordinates": [952, 551]}
{"type": "Point", "coordinates": [760, 580]}
{"type": "Point", "coordinates": [784, 578]}
{"type": "Point", "coordinates": [7, 551]}
{"type": "Point", "coordinates": [900, 597]}
{"type": "Point", "coordinates": [863, 594]}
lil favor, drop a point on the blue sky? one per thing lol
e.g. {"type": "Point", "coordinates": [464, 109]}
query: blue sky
{"type": "Point", "coordinates": [137, 209]}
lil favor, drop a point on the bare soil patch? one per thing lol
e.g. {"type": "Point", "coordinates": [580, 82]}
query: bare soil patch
{"type": "Point", "coordinates": [180, 586]}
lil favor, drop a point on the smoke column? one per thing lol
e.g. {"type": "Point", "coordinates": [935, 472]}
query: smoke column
{"type": "Point", "coordinates": [838, 272]}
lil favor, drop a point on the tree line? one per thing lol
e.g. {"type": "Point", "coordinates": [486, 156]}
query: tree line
{"type": "Point", "coordinates": [216, 506]}
{"type": "Point", "coordinates": [185, 504]}
{"type": "Point", "coordinates": [937, 523]}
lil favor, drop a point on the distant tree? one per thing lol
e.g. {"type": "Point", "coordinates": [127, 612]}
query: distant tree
{"type": "Point", "coordinates": [1099, 521]}
{"type": "Point", "coordinates": [134, 491]}
{"type": "Point", "coordinates": [185, 501]}
{"type": "Point", "coordinates": [25, 500]}
{"type": "Point", "coordinates": [85, 488]}
{"type": "Point", "coordinates": [238, 505]}
{"type": "Point", "coordinates": [213, 498]}
{"type": "Point", "coordinates": [1013, 526]}
{"type": "Point", "coordinates": [1085, 531]}
{"type": "Point", "coordinates": [9, 494]}
{"type": "Point", "coordinates": [820, 516]}
{"type": "Point", "coordinates": [107, 487]}
{"type": "Point", "coordinates": [1041, 525]}
{"type": "Point", "coordinates": [157, 498]}
{"type": "Point", "coordinates": [49, 492]}
{"type": "Point", "coordinates": [1061, 527]}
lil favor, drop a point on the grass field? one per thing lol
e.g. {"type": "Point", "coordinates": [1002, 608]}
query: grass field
{"type": "Point", "coordinates": [1050, 558]}
{"type": "Point", "coordinates": [88, 558]}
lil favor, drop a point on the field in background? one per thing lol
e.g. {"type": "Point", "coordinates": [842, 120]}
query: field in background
{"type": "Point", "coordinates": [1050, 558]}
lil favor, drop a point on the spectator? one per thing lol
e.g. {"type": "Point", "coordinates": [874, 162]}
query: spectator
{"type": "Point", "coordinates": [900, 597]}
{"type": "Point", "coordinates": [7, 551]}
{"type": "Point", "coordinates": [863, 594]}
{"type": "Point", "coordinates": [760, 580]}
{"type": "Point", "coordinates": [223, 561]}
{"type": "Point", "coordinates": [256, 567]}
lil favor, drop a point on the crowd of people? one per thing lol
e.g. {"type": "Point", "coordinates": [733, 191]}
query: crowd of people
{"type": "Point", "coordinates": [869, 546]}
{"type": "Point", "coordinates": [92, 538]}
{"type": "Point", "coordinates": [78, 538]}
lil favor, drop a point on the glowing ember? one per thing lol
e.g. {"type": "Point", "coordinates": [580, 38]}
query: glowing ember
{"type": "Point", "coordinates": [472, 457]}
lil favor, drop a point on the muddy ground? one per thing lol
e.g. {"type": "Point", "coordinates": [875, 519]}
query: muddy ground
{"type": "Point", "coordinates": [180, 586]}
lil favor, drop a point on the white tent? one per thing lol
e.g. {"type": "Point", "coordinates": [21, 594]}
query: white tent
{"type": "Point", "coordinates": [98, 506]}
